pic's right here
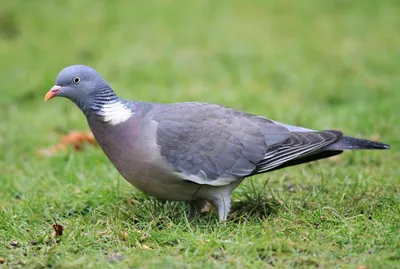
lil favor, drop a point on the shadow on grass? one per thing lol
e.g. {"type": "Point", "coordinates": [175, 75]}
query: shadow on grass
{"type": "Point", "coordinates": [254, 203]}
{"type": "Point", "coordinates": [250, 202]}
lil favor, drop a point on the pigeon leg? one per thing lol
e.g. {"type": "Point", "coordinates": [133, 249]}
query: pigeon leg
{"type": "Point", "coordinates": [223, 206]}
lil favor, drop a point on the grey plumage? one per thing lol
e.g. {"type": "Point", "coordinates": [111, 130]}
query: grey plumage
{"type": "Point", "coordinates": [192, 151]}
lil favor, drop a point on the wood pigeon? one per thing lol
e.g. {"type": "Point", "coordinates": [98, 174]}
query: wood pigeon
{"type": "Point", "coordinates": [191, 151]}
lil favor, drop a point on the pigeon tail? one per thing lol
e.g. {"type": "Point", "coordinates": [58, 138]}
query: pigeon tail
{"type": "Point", "coordinates": [352, 143]}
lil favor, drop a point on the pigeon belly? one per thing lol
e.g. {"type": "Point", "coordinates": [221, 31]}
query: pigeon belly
{"type": "Point", "coordinates": [134, 152]}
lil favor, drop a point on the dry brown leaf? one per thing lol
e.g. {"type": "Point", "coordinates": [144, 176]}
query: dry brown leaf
{"type": "Point", "coordinates": [75, 139]}
{"type": "Point", "coordinates": [58, 229]}
{"type": "Point", "coordinates": [146, 247]}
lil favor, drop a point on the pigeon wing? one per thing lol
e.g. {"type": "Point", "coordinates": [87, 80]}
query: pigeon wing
{"type": "Point", "coordinates": [214, 145]}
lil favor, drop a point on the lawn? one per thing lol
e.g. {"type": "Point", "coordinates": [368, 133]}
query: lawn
{"type": "Point", "coordinates": [321, 64]}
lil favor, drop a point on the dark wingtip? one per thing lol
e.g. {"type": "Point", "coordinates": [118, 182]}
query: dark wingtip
{"type": "Point", "coordinates": [352, 143]}
{"type": "Point", "coordinates": [375, 145]}
{"type": "Point", "coordinates": [385, 146]}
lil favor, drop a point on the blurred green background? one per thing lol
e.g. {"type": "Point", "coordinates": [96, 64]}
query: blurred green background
{"type": "Point", "coordinates": [320, 64]}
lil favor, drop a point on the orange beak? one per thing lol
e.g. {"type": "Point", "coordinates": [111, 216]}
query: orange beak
{"type": "Point", "coordinates": [52, 93]}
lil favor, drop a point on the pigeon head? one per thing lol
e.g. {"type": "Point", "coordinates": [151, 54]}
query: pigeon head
{"type": "Point", "coordinates": [83, 86]}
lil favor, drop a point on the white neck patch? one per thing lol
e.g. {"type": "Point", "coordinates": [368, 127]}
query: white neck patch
{"type": "Point", "coordinates": [115, 113]}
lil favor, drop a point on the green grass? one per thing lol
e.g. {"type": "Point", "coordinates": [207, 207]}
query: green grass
{"type": "Point", "coordinates": [320, 64]}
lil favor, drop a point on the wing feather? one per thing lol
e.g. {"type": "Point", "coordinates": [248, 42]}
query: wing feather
{"type": "Point", "coordinates": [299, 145]}
{"type": "Point", "coordinates": [214, 145]}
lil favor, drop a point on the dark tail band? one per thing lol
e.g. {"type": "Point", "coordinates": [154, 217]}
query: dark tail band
{"type": "Point", "coordinates": [347, 142]}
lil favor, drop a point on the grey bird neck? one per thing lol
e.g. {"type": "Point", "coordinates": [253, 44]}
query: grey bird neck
{"type": "Point", "coordinates": [94, 106]}
{"type": "Point", "coordinates": [100, 98]}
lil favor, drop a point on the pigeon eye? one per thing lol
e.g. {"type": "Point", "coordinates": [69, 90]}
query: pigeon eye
{"type": "Point", "coordinates": [77, 80]}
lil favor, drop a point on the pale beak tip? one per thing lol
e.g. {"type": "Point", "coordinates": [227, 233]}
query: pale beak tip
{"type": "Point", "coordinates": [52, 93]}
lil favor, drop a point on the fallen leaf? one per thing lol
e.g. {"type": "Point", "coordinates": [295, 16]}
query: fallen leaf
{"type": "Point", "coordinates": [2, 260]}
{"type": "Point", "coordinates": [146, 247]}
{"type": "Point", "coordinates": [73, 139]}
{"type": "Point", "coordinates": [362, 267]}
{"type": "Point", "coordinates": [58, 229]}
